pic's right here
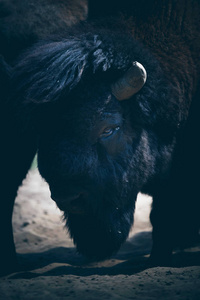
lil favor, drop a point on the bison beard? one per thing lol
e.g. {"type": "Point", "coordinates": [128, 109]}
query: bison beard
{"type": "Point", "coordinates": [98, 238]}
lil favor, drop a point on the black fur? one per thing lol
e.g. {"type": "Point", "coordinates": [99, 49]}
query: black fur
{"type": "Point", "coordinates": [23, 22]}
{"type": "Point", "coordinates": [61, 93]}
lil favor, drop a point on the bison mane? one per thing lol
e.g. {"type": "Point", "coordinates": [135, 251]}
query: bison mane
{"type": "Point", "coordinates": [51, 70]}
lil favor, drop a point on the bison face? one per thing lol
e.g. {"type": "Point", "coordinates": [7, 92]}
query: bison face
{"type": "Point", "coordinates": [97, 152]}
{"type": "Point", "coordinates": [95, 159]}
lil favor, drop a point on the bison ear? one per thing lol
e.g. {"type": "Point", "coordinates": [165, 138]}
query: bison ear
{"type": "Point", "coordinates": [131, 82]}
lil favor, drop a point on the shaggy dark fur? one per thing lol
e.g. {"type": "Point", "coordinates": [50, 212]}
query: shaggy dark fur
{"type": "Point", "coordinates": [23, 22]}
{"type": "Point", "coordinates": [97, 153]}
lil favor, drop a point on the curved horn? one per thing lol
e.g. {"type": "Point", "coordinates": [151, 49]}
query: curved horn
{"type": "Point", "coordinates": [132, 81]}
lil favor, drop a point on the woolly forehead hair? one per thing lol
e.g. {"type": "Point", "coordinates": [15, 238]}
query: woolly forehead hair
{"type": "Point", "coordinates": [52, 69]}
{"type": "Point", "coordinates": [57, 70]}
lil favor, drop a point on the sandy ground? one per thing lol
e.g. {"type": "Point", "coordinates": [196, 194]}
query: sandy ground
{"type": "Point", "coordinates": [53, 270]}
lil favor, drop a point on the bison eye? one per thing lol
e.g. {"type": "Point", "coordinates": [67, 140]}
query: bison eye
{"type": "Point", "coordinates": [108, 132]}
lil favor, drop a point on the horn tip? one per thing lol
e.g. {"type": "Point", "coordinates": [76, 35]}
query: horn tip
{"type": "Point", "coordinates": [141, 70]}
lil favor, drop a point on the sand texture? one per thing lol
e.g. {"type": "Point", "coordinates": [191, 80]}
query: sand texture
{"type": "Point", "coordinates": [52, 269]}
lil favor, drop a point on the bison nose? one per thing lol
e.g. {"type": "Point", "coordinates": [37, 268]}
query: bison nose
{"type": "Point", "coordinates": [75, 203]}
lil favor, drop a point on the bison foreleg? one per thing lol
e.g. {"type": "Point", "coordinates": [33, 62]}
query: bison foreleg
{"type": "Point", "coordinates": [17, 152]}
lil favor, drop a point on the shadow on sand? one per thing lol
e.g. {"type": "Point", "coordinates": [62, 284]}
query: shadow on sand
{"type": "Point", "coordinates": [131, 258]}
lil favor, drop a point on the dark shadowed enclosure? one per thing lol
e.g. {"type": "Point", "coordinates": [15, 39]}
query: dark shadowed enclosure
{"type": "Point", "coordinates": [99, 105]}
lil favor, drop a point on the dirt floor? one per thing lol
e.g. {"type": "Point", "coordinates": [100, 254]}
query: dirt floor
{"type": "Point", "coordinates": [53, 270]}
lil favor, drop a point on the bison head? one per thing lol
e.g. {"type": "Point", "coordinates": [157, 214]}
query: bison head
{"type": "Point", "coordinates": [86, 156]}
{"type": "Point", "coordinates": [96, 152]}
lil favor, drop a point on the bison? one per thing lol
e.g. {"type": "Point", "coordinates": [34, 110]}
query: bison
{"type": "Point", "coordinates": [111, 108]}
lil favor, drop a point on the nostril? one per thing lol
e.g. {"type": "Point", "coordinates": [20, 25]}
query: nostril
{"type": "Point", "coordinates": [74, 197]}
{"type": "Point", "coordinates": [64, 196]}
{"type": "Point", "coordinates": [71, 198]}
{"type": "Point", "coordinates": [72, 203]}
{"type": "Point", "coordinates": [78, 199]}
